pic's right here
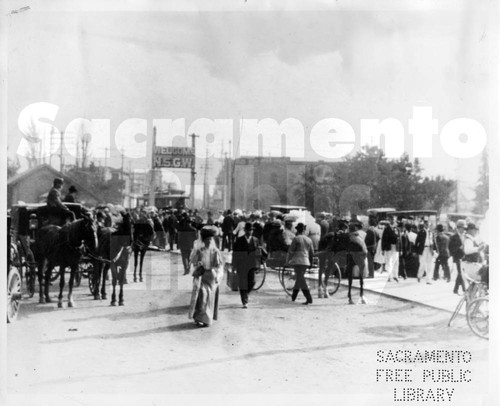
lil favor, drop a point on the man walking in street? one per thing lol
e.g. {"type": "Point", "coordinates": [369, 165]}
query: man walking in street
{"type": "Point", "coordinates": [389, 247]}
{"type": "Point", "coordinates": [442, 244]}
{"type": "Point", "coordinates": [425, 250]}
{"type": "Point", "coordinates": [456, 248]}
{"type": "Point", "coordinates": [371, 241]}
{"type": "Point", "coordinates": [227, 231]}
{"type": "Point", "coordinates": [246, 261]}
{"type": "Point", "coordinates": [404, 249]}
{"type": "Point", "coordinates": [300, 256]}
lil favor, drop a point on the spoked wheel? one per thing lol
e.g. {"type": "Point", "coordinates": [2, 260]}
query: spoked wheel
{"type": "Point", "coordinates": [87, 269]}
{"type": "Point", "coordinates": [260, 276]}
{"type": "Point", "coordinates": [457, 310]}
{"type": "Point", "coordinates": [287, 278]}
{"type": "Point", "coordinates": [332, 279]}
{"type": "Point", "coordinates": [55, 274]}
{"type": "Point", "coordinates": [478, 317]}
{"type": "Point", "coordinates": [13, 294]}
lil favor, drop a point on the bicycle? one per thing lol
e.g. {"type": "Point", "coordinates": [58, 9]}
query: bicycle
{"type": "Point", "coordinates": [475, 290]}
{"type": "Point", "coordinates": [478, 317]}
{"type": "Point", "coordinates": [332, 277]}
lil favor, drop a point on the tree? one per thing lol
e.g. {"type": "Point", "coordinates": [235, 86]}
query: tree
{"type": "Point", "coordinates": [437, 193]}
{"type": "Point", "coordinates": [371, 179]}
{"type": "Point", "coordinates": [482, 198]}
{"type": "Point", "coordinates": [92, 178]}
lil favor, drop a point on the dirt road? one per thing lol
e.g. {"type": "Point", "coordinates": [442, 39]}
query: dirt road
{"type": "Point", "coordinates": [274, 346]}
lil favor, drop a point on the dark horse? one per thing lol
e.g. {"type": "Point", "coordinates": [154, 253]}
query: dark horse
{"type": "Point", "coordinates": [114, 254]}
{"type": "Point", "coordinates": [143, 236]}
{"type": "Point", "coordinates": [63, 247]}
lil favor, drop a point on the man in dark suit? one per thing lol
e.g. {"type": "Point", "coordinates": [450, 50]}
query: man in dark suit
{"type": "Point", "coordinates": [456, 248]}
{"type": "Point", "coordinates": [228, 225]}
{"type": "Point", "coordinates": [442, 246]}
{"type": "Point", "coordinates": [54, 204]}
{"type": "Point", "coordinates": [246, 260]}
{"type": "Point", "coordinates": [389, 245]}
{"type": "Point", "coordinates": [371, 241]}
{"type": "Point", "coordinates": [404, 248]}
{"type": "Point", "coordinates": [424, 245]}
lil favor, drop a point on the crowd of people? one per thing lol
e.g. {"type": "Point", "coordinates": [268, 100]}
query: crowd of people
{"type": "Point", "coordinates": [399, 247]}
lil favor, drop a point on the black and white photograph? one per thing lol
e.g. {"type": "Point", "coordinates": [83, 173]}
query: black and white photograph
{"type": "Point", "coordinates": [249, 202]}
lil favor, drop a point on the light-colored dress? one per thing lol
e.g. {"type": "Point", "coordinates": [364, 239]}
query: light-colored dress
{"type": "Point", "coordinates": [205, 296]}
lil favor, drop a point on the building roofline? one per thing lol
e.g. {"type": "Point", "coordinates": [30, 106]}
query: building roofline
{"type": "Point", "coordinates": [67, 179]}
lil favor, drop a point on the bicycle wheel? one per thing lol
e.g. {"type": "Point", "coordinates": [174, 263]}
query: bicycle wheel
{"type": "Point", "coordinates": [332, 279]}
{"type": "Point", "coordinates": [287, 278]}
{"type": "Point", "coordinates": [478, 317]}
{"type": "Point", "coordinates": [260, 277]}
{"type": "Point", "coordinates": [457, 310]}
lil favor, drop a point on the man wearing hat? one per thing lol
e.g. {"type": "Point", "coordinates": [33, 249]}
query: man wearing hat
{"type": "Point", "coordinates": [300, 256]}
{"type": "Point", "coordinates": [425, 246]}
{"type": "Point", "coordinates": [71, 196]}
{"type": "Point", "coordinates": [228, 225]}
{"type": "Point", "coordinates": [54, 203]}
{"type": "Point", "coordinates": [456, 248]}
{"type": "Point", "coordinates": [442, 244]}
{"type": "Point", "coordinates": [246, 260]}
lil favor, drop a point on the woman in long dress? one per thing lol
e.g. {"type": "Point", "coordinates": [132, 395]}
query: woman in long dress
{"type": "Point", "coordinates": [208, 269]}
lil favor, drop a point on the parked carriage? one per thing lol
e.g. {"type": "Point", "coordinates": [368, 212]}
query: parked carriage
{"type": "Point", "coordinates": [14, 294]}
{"type": "Point", "coordinates": [27, 219]}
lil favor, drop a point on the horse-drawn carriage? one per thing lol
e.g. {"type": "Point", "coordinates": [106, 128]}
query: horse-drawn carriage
{"type": "Point", "coordinates": [26, 222]}
{"type": "Point", "coordinates": [14, 294]}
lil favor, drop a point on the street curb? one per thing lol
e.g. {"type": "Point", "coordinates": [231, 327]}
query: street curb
{"type": "Point", "coordinates": [401, 299]}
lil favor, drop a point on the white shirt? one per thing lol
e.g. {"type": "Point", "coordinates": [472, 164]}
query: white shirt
{"type": "Point", "coordinates": [470, 246]}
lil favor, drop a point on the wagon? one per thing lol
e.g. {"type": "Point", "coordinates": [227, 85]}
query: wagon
{"type": "Point", "coordinates": [27, 219]}
{"type": "Point", "coordinates": [286, 273]}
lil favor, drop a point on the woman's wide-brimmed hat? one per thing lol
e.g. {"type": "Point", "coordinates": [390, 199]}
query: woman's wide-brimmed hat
{"type": "Point", "coordinates": [291, 218]}
{"type": "Point", "coordinates": [208, 231]}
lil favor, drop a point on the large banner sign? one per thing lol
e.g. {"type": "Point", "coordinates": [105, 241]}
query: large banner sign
{"type": "Point", "coordinates": [173, 157]}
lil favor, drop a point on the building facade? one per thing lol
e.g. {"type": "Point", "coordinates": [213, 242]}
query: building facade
{"type": "Point", "coordinates": [259, 182]}
{"type": "Point", "coordinates": [33, 185]}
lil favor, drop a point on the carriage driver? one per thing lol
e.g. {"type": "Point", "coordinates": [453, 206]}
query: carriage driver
{"type": "Point", "coordinates": [54, 203]}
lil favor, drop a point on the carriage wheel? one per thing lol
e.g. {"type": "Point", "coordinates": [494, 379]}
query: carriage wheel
{"type": "Point", "coordinates": [287, 278]}
{"type": "Point", "coordinates": [55, 274]}
{"type": "Point", "coordinates": [89, 270]}
{"type": "Point", "coordinates": [260, 276]}
{"type": "Point", "coordinates": [478, 317]}
{"type": "Point", "coordinates": [13, 294]}
{"type": "Point", "coordinates": [333, 279]}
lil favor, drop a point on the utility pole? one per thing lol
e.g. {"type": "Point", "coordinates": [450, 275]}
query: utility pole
{"type": "Point", "coordinates": [61, 153]}
{"type": "Point", "coordinates": [122, 188]}
{"type": "Point", "coordinates": [205, 181]}
{"type": "Point", "coordinates": [152, 184]}
{"type": "Point", "coordinates": [230, 177]}
{"type": "Point", "coordinates": [193, 168]}
{"type": "Point", "coordinates": [226, 181]}
{"type": "Point", "coordinates": [131, 183]}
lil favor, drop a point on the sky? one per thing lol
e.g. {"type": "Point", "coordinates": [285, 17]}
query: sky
{"type": "Point", "coordinates": [230, 61]}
